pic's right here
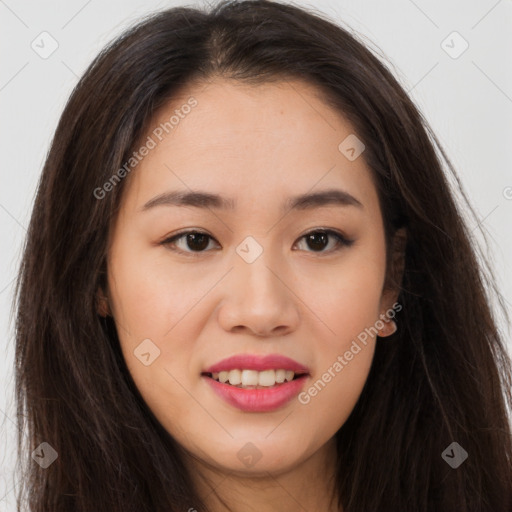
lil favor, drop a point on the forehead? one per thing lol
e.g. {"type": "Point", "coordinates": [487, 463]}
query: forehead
{"type": "Point", "coordinates": [246, 142]}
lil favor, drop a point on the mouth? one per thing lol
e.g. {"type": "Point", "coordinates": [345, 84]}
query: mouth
{"type": "Point", "coordinates": [255, 383]}
{"type": "Point", "coordinates": [253, 379]}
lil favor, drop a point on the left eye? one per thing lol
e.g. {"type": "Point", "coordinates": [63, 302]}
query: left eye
{"type": "Point", "coordinates": [197, 241]}
{"type": "Point", "coordinates": [320, 238]}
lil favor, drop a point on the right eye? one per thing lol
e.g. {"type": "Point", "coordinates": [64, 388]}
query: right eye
{"type": "Point", "coordinates": [196, 241]}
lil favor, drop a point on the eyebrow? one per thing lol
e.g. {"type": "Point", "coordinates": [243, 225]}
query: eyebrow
{"type": "Point", "coordinates": [199, 199]}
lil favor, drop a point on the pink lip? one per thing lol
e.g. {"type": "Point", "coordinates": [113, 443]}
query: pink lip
{"type": "Point", "coordinates": [258, 363]}
{"type": "Point", "coordinates": [258, 400]}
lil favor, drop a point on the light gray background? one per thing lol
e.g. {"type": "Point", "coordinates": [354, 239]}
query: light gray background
{"type": "Point", "coordinates": [467, 100]}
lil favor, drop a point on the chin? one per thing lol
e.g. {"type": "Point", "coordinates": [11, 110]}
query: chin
{"type": "Point", "coordinates": [250, 456]}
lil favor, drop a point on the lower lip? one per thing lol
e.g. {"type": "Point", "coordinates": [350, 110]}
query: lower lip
{"type": "Point", "coordinates": [258, 400]}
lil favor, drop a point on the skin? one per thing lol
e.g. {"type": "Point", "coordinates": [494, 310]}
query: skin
{"type": "Point", "coordinates": [257, 145]}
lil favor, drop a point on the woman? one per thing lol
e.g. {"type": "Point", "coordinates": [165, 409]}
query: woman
{"type": "Point", "coordinates": [247, 285]}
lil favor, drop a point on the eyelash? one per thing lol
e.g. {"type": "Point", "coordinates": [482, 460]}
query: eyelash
{"type": "Point", "coordinates": [341, 241]}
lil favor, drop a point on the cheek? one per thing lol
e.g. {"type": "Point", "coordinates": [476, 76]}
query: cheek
{"type": "Point", "coordinates": [346, 296]}
{"type": "Point", "coordinates": [150, 294]}
{"type": "Point", "coordinates": [151, 319]}
{"type": "Point", "coordinates": [153, 303]}
{"type": "Point", "coordinates": [331, 395]}
{"type": "Point", "coordinates": [343, 358]}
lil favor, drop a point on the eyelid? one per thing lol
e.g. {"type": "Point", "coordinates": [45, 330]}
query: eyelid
{"type": "Point", "coordinates": [168, 241]}
{"type": "Point", "coordinates": [341, 239]}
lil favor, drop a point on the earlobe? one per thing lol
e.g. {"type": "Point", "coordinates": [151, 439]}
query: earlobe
{"type": "Point", "coordinates": [389, 328]}
{"type": "Point", "coordinates": [102, 306]}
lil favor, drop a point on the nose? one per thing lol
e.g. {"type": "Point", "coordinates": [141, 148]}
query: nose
{"type": "Point", "coordinates": [259, 299]}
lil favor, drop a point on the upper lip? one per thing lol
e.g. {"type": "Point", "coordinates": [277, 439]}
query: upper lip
{"type": "Point", "coordinates": [258, 363]}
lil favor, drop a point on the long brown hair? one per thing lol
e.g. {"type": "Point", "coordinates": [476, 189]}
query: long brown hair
{"type": "Point", "coordinates": [443, 377]}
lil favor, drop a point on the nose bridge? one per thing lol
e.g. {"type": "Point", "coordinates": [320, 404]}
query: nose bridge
{"type": "Point", "coordinates": [257, 274]}
{"type": "Point", "coordinates": [258, 298]}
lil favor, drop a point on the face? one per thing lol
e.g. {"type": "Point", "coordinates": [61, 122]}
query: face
{"type": "Point", "coordinates": [274, 272]}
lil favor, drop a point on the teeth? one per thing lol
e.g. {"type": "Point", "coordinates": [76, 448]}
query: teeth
{"type": "Point", "coordinates": [253, 378]}
{"type": "Point", "coordinates": [249, 378]}
{"type": "Point", "coordinates": [235, 377]}
{"type": "Point", "coordinates": [267, 378]}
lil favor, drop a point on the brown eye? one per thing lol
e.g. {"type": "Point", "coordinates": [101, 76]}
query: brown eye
{"type": "Point", "coordinates": [318, 240]}
{"type": "Point", "coordinates": [197, 241]}
{"type": "Point", "coordinates": [193, 241]}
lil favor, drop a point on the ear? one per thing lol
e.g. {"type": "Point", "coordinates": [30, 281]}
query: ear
{"type": "Point", "coordinates": [102, 306]}
{"type": "Point", "coordinates": [395, 275]}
